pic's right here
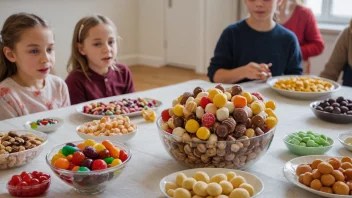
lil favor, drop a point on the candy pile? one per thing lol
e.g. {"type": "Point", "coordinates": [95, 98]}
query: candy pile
{"type": "Point", "coordinates": [330, 176]}
{"type": "Point", "coordinates": [118, 107]}
{"type": "Point", "coordinates": [89, 156]}
{"type": "Point", "coordinates": [43, 122]}
{"type": "Point", "coordinates": [201, 185]}
{"type": "Point", "coordinates": [11, 142]}
{"type": "Point", "coordinates": [106, 126]}
{"type": "Point", "coordinates": [338, 106]}
{"type": "Point", "coordinates": [308, 139]}
{"type": "Point", "coordinates": [303, 84]}
{"type": "Point", "coordinates": [28, 184]}
{"type": "Point", "coordinates": [215, 128]}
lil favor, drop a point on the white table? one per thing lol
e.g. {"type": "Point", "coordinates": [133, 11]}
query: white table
{"type": "Point", "coordinates": [150, 162]}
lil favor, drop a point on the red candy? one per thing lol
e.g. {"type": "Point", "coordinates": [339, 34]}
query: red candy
{"type": "Point", "coordinates": [99, 165]}
{"type": "Point", "coordinates": [165, 115]}
{"type": "Point", "coordinates": [208, 120]}
{"type": "Point", "coordinates": [78, 158]}
{"type": "Point", "coordinates": [169, 130]}
{"type": "Point", "coordinates": [123, 155]}
{"type": "Point", "coordinates": [32, 182]}
{"type": "Point", "coordinates": [204, 101]}
{"type": "Point", "coordinates": [258, 95]}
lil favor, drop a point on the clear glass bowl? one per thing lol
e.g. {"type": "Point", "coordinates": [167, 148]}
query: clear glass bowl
{"type": "Point", "coordinates": [29, 191]}
{"type": "Point", "coordinates": [12, 160]}
{"type": "Point", "coordinates": [238, 154]}
{"type": "Point", "coordinates": [92, 182]}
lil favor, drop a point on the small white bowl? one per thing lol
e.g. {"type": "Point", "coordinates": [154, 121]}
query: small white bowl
{"type": "Point", "coordinates": [45, 129]}
{"type": "Point", "coordinates": [116, 138]}
{"type": "Point", "coordinates": [342, 136]}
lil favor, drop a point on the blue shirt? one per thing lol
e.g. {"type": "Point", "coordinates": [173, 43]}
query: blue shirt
{"type": "Point", "coordinates": [239, 45]}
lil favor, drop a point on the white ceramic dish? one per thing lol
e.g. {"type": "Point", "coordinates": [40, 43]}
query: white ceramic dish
{"type": "Point", "coordinates": [250, 178]}
{"type": "Point", "coordinates": [342, 136]}
{"type": "Point", "coordinates": [115, 138]}
{"type": "Point", "coordinates": [290, 173]}
{"type": "Point", "coordinates": [45, 129]}
{"type": "Point", "coordinates": [299, 94]}
{"type": "Point", "coordinates": [79, 109]}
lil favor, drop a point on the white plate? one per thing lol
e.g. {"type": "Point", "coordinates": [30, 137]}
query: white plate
{"type": "Point", "coordinates": [250, 178]}
{"type": "Point", "coordinates": [45, 129]}
{"type": "Point", "coordinates": [79, 109]}
{"type": "Point", "coordinates": [299, 94]}
{"type": "Point", "coordinates": [116, 138]}
{"type": "Point", "coordinates": [342, 136]}
{"type": "Point", "coordinates": [290, 173]}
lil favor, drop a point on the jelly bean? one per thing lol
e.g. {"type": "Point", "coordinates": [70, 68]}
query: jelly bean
{"type": "Point", "coordinates": [104, 154]}
{"type": "Point", "coordinates": [68, 150]}
{"type": "Point", "coordinates": [114, 151]}
{"type": "Point", "coordinates": [69, 157]}
{"type": "Point", "coordinates": [89, 142]}
{"type": "Point", "coordinates": [109, 160]}
{"type": "Point", "coordinates": [77, 158]}
{"type": "Point", "coordinates": [83, 169]}
{"type": "Point", "coordinates": [123, 155]}
{"type": "Point", "coordinates": [81, 146]}
{"type": "Point", "coordinates": [99, 165]}
{"type": "Point", "coordinates": [99, 147]}
{"type": "Point", "coordinates": [90, 152]}
{"type": "Point", "coordinates": [192, 126]}
{"type": "Point", "coordinates": [70, 144]}
{"type": "Point", "coordinates": [116, 162]}
{"type": "Point", "coordinates": [57, 156]}
{"type": "Point", "coordinates": [87, 163]}
{"type": "Point", "coordinates": [75, 168]}
{"type": "Point", "coordinates": [62, 163]}
{"type": "Point", "coordinates": [203, 133]}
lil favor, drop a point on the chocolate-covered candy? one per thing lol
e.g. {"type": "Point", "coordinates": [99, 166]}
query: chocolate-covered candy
{"type": "Point", "coordinates": [258, 131]}
{"type": "Point", "coordinates": [319, 108]}
{"type": "Point", "coordinates": [240, 115]}
{"type": "Point", "coordinates": [192, 116]}
{"type": "Point", "coordinates": [230, 138]}
{"type": "Point", "coordinates": [336, 110]}
{"type": "Point", "coordinates": [335, 104]}
{"type": "Point", "coordinates": [230, 123]}
{"type": "Point", "coordinates": [179, 122]}
{"type": "Point", "coordinates": [220, 87]}
{"type": "Point", "coordinates": [185, 96]}
{"type": "Point", "coordinates": [236, 90]}
{"type": "Point", "coordinates": [343, 103]}
{"type": "Point", "coordinates": [331, 101]}
{"type": "Point", "coordinates": [222, 131]}
{"type": "Point", "coordinates": [248, 124]}
{"type": "Point", "coordinates": [343, 109]}
{"type": "Point", "coordinates": [329, 109]}
{"type": "Point", "coordinates": [239, 130]}
{"type": "Point", "coordinates": [349, 106]}
{"type": "Point", "coordinates": [340, 99]}
{"type": "Point", "coordinates": [197, 90]}
{"type": "Point", "coordinates": [258, 121]}
{"type": "Point", "coordinates": [323, 104]}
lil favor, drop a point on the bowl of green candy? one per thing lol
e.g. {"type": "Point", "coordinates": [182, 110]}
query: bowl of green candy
{"type": "Point", "coordinates": [308, 143]}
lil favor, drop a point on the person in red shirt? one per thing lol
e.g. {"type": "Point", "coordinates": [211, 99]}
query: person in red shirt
{"type": "Point", "coordinates": [93, 70]}
{"type": "Point", "coordinates": [301, 20]}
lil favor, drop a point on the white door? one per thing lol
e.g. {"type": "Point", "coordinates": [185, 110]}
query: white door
{"type": "Point", "coordinates": [182, 32]}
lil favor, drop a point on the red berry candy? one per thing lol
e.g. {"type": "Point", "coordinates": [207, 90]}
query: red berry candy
{"type": "Point", "coordinates": [169, 130]}
{"type": "Point", "coordinates": [22, 183]}
{"type": "Point", "coordinates": [208, 120]}
{"type": "Point", "coordinates": [23, 174]}
{"type": "Point", "coordinates": [34, 181]}
{"type": "Point", "coordinates": [27, 178]}
{"type": "Point", "coordinates": [258, 95]}
{"type": "Point", "coordinates": [16, 179]}
{"type": "Point", "coordinates": [99, 164]}
{"type": "Point", "coordinates": [204, 101]}
{"type": "Point", "coordinates": [165, 115]}
{"type": "Point", "coordinates": [123, 155]}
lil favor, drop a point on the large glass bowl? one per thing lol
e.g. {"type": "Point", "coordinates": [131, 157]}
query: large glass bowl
{"type": "Point", "coordinates": [237, 154]}
{"type": "Point", "coordinates": [92, 182]}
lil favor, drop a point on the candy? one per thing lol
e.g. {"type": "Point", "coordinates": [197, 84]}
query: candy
{"type": "Point", "coordinates": [191, 106]}
{"type": "Point", "coordinates": [250, 133]}
{"type": "Point", "coordinates": [211, 108]}
{"type": "Point", "coordinates": [83, 169]}
{"type": "Point", "coordinates": [240, 115]}
{"type": "Point", "coordinates": [230, 106]}
{"type": "Point", "coordinates": [104, 153]}
{"type": "Point", "coordinates": [178, 110]}
{"type": "Point", "coordinates": [222, 131]}
{"type": "Point", "coordinates": [185, 97]}
{"type": "Point", "coordinates": [87, 163]}
{"type": "Point", "coordinates": [258, 121]}
{"type": "Point", "coordinates": [239, 193]}
{"type": "Point", "coordinates": [270, 113]}
{"type": "Point", "coordinates": [123, 155]}
{"type": "Point", "coordinates": [109, 160]}
{"type": "Point", "coordinates": [77, 158]}
{"type": "Point", "coordinates": [149, 115]}
{"type": "Point", "coordinates": [203, 133]}
{"type": "Point", "coordinates": [208, 120]}
{"type": "Point", "coordinates": [236, 89]}
{"type": "Point", "coordinates": [303, 84]}
{"type": "Point", "coordinates": [99, 147]}
{"type": "Point", "coordinates": [257, 107]}
{"type": "Point", "coordinates": [214, 189]}
{"type": "Point", "coordinates": [89, 142]}
{"type": "Point", "coordinates": [308, 139]}
{"type": "Point", "coordinates": [197, 90]}
{"type": "Point", "coordinates": [57, 156]}
{"type": "Point", "coordinates": [204, 101]}
{"type": "Point", "coordinates": [90, 152]}
{"type": "Point", "coordinates": [222, 114]}
{"type": "Point", "coordinates": [199, 112]}
{"type": "Point", "coordinates": [62, 163]}
{"type": "Point", "coordinates": [239, 101]}
{"type": "Point", "coordinates": [68, 150]}
{"type": "Point", "coordinates": [248, 96]}
{"type": "Point", "coordinates": [258, 96]}
{"type": "Point", "coordinates": [43, 122]}
{"type": "Point", "coordinates": [116, 162]}
{"type": "Point", "coordinates": [36, 184]}
{"type": "Point", "coordinates": [200, 188]}
{"type": "Point", "coordinates": [270, 104]}
{"type": "Point", "coordinates": [230, 123]}
{"type": "Point", "coordinates": [270, 122]}
{"type": "Point", "coordinates": [212, 92]}
{"type": "Point", "coordinates": [220, 100]}
{"type": "Point", "coordinates": [239, 130]}
{"type": "Point", "coordinates": [192, 126]}
{"type": "Point", "coordinates": [99, 165]}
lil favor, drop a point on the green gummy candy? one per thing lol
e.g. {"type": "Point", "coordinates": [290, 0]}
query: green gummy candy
{"type": "Point", "coordinates": [68, 150]}
{"type": "Point", "coordinates": [298, 138]}
{"type": "Point", "coordinates": [311, 136]}
{"type": "Point", "coordinates": [318, 140]}
{"type": "Point", "coordinates": [310, 143]}
{"type": "Point", "coordinates": [294, 141]}
{"type": "Point", "coordinates": [305, 139]}
{"type": "Point", "coordinates": [302, 144]}
{"type": "Point", "coordinates": [325, 143]}
{"type": "Point", "coordinates": [108, 160]}
{"type": "Point", "coordinates": [324, 137]}
{"type": "Point", "coordinates": [83, 169]}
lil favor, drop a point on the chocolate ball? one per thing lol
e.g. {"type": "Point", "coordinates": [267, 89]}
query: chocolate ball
{"type": "Point", "coordinates": [340, 99]}
{"type": "Point", "coordinates": [248, 123]}
{"type": "Point", "coordinates": [239, 130]}
{"type": "Point", "coordinates": [329, 109]}
{"type": "Point", "coordinates": [258, 121]}
{"type": "Point", "coordinates": [343, 109]}
{"type": "Point", "coordinates": [336, 110]}
{"type": "Point", "coordinates": [185, 96]}
{"type": "Point", "coordinates": [220, 87]}
{"type": "Point", "coordinates": [179, 122]}
{"type": "Point", "coordinates": [236, 90]}
{"type": "Point", "coordinates": [197, 90]}
{"type": "Point", "coordinates": [222, 131]}
{"type": "Point", "coordinates": [240, 115]}
{"type": "Point", "coordinates": [230, 123]}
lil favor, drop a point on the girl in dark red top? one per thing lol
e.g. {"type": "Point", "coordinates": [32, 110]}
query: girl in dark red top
{"type": "Point", "coordinates": [302, 22]}
{"type": "Point", "coordinates": [94, 72]}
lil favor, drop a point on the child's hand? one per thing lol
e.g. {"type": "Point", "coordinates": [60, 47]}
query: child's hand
{"type": "Point", "coordinates": [255, 71]}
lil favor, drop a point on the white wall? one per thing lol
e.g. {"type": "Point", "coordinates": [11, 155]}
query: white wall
{"type": "Point", "coordinates": [64, 14]}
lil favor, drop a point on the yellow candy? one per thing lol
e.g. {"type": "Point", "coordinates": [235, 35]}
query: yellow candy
{"type": "Point", "coordinates": [257, 107]}
{"type": "Point", "coordinates": [270, 112]}
{"type": "Point", "coordinates": [178, 110]}
{"type": "Point", "coordinates": [248, 96]}
{"type": "Point", "coordinates": [57, 156]}
{"type": "Point", "coordinates": [250, 133]}
{"type": "Point", "coordinates": [220, 100]}
{"type": "Point", "coordinates": [115, 162]}
{"type": "Point", "coordinates": [149, 115]}
{"type": "Point", "coordinates": [270, 122]}
{"type": "Point", "coordinates": [203, 133]}
{"type": "Point", "coordinates": [192, 126]}
{"type": "Point", "coordinates": [89, 142]}
{"type": "Point", "coordinates": [270, 104]}
{"type": "Point", "coordinates": [212, 93]}
{"type": "Point", "coordinates": [99, 147]}
{"type": "Point", "coordinates": [179, 98]}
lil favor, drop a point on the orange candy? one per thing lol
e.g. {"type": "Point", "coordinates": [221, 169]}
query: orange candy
{"type": "Point", "coordinates": [62, 163]}
{"type": "Point", "coordinates": [114, 152]}
{"type": "Point", "coordinates": [240, 101]}
{"type": "Point", "coordinates": [81, 146]}
{"type": "Point", "coordinates": [69, 157]}
{"type": "Point", "coordinates": [75, 168]}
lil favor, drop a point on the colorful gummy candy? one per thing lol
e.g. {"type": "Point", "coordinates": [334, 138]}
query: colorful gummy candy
{"type": "Point", "coordinates": [89, 156]}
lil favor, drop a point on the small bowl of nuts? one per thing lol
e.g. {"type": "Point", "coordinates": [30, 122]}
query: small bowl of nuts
{"type": "Point", "coordinates": [118, 128]}
{"type": "Point", "coordinates": [18, 148]}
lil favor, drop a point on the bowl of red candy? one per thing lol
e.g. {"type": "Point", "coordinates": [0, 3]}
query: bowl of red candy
{"type": "Point", "coordinates": [28, 184]}
{"type": "Point", "coordinates": [88, 165]}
